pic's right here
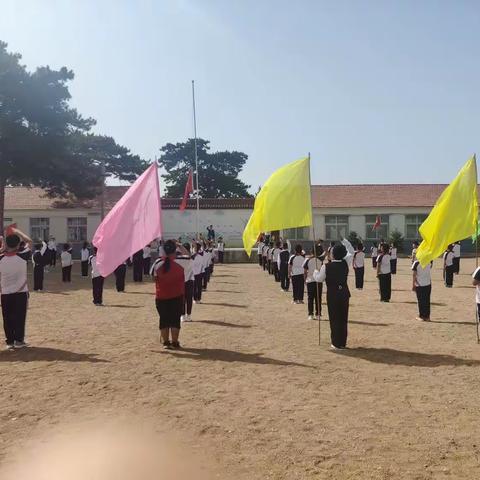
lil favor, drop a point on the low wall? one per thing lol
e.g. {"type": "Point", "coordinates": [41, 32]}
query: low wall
{"type": "Point", "coordinates": [238, 255]}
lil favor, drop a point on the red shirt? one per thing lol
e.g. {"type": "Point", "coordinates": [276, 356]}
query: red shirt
{"type": "Point", "coordinates": [170, 284]}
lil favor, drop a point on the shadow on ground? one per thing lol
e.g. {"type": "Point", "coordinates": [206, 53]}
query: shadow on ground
{"type": "Point", "coordinates": [46, 354]}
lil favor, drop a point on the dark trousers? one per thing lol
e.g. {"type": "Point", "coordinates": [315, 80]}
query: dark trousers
{"type": "Point", "coordinates": [97, 289]}
{"type": "Point", "coordinates": [456, 264]}
{"type": "Point", "coordinates": [120, 273]}
{"type": "Point", "coordinates": [298, 287]}
{"type": "Point", "coordinates": [146, 265]}
{"type": "Point", "coordinates": [53, 257]}
{"type": "Point", "coordinates": [138, 270]}
{"type": "Point", "coordinates": [260, 259]}
{"type": "Point", "coordinates": [374, 262]}
{"type": "Point", "coordinates": [206, 278]}
{"type": "Point", "coordinates": [359, 276]}
{"type": "Point", "coordinates": [423, 298]}
{"type": "Point", "coordinates": [338, 303]}
{"type": "Point", "coordinates": [314, 297]}
{"type": "Point", "coordinates": [385, 283]}
{"type": "Point", "coordinates": [84, 268]}
{"type": "Point", "coordinates": [14, 311]}
{"type": "Point", "coordinates": [264, 263]}
{"type": "Point", "coordinates": [220, 256]}
{"type": "Point", "coordinates": [67, 274]}
{"type": "Point", "coordinates": [197, 288]}
{"type": "Point", "coordinates": [393, 266]}
{"type": "Point", "coordinates": [276, 273]}
{"type": "Point", "coordinates": [284, 279]}
{"type": "Point", "coordinates": [38, 274]}
{"type": "Point", "coordinates": [269, 267]}
{"type": "Point", "coordinates": [187, 304]}
{"type": "Point", "coordinates": [449, 275]}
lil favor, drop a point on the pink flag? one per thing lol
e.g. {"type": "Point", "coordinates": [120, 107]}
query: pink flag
{"type": "Point", "coordinates": [132, 223]}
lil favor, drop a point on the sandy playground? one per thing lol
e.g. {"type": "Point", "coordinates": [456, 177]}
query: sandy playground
{"type": "Point", "coordinates": [252, 390]}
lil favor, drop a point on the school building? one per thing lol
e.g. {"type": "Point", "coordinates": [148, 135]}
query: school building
{"type": "Point", "coordinates": [338, 210]}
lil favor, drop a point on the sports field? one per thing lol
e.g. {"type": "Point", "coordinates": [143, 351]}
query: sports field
{"type": "Point", "coordinates": [252, 391]}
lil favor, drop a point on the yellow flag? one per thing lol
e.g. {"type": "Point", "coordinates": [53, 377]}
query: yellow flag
{"type": "Point", "coordinates": [454, 216]}
{"type": "Point", "coordinates": [283, 202]}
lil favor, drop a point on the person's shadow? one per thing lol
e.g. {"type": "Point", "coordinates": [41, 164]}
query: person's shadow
{"type": "Point", "coordinates": [46, 354]}
{"type": "Point", "coordinates": [222, 324]}
{"type": "Point", "coordinates": [390, 356]}
{"type": "Point", "coordinates": [223, 304]}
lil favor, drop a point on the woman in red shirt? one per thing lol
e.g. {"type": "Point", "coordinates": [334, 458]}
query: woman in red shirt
{"type": "Point", "coordinates": [169, 296]}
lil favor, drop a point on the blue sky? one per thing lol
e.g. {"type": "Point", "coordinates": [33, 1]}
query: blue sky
{"type": "Point", "coordinates": [378, 91]}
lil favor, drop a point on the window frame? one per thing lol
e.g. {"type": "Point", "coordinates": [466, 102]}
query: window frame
{"type": "Point", "coordinates": [337, 225]}
{"type": "Point", "coordinates": [45, 228]}
{"type": "Point", "coordinates": [419, 219]}
{"type": "Point", "coordinates": [380, 233]}
{"type": "Point", "coordinates": [79, 228]}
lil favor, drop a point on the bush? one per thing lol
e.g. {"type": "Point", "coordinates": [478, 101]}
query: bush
{"type": "Point", "coordinates": [354, 239]}
{"type": "Point", "coordinates": [396, 238]}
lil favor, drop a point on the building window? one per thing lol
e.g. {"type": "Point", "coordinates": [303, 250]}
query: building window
{"type": "Point", "coordinates": [40, 229]}
{"type": "Point", "coordinates": [412, 224]}
{"type": "Point", "coordinates": [380, 232]}
{"type": "Point", "coordinates": [336, 227]}
{"type": "Point", "coordinates": [7, 222]}
{"type": "Point", "coordinates": [299, 233]}
{"type": "Point", "coordinates": [77, 229]}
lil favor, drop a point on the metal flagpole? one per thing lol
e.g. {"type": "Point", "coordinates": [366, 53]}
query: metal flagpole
{"type": "Point", "coordinates": [477, 319]}
{"type": "Point", "coordinates": [196, 158]}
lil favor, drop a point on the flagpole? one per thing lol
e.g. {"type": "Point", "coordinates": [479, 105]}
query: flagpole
{"type": "Point", "coordinates": [477, 319]}
{"type": "Point", "coordinates": [196, 158]}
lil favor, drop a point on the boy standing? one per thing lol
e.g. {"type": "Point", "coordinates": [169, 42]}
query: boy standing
{"type": "Point", "coordinates": [283, 258]}
{"type": "Point", "coordinates": [422, 286]}
{"type": "Point", "coordinates": [448, 267]}
{"type": "Point", "coordinates": [67, 262]}
{"type": "Point", "coordinates": [38, 261]}
{"type": "Point", "coordinates": [97, 280]}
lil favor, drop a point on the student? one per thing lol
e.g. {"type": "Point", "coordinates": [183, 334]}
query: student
{"type": "Point", "coordinates": [52, 251]}
{"type": "Point", "coordinates": [314, 289]}
{"type": "Point", "coordinates": [137, 260]}
{"type": "Point", "coordinates": [393, 259]}
{"type": "Point", "coordinates": [422, 285]}
{"type": "Point", "coordinates": [14, 287]}
{"type": "Point", "coordinates": [39, 260]}
{"type": "Point", "coordinates": [184, 259]}
{"type": "Point", "coordinates": [448, 267]}
{"type": "Point", "coordinates": [147, 259]}
{"type": "Point", "coordinates": [169, 295]}
{"type": "Point", "coordinates": [264, 255]}
{"type": "Point", "coordinates": [384, 273]}
{"type": "Point", "coordinates": [374, 254]}
{"type": "Point", "coordinates": [476, 283]}
{"type": "Point", "coordinates": [260, 250]}
{"type": "Point", "coordinates": [296, 273]}
{"type": "Point", "coordinates": [359, 266]}
{"type": "Point", "coordinates": [84, 256]}
{"type": "Point", "coordinates": [97, 280]}
{"type": "Point", "coordinates": [207, 256]}
{"type": "Point", "coordinates": [198, 268]}
{"type": "Point", "coordinates": [275, 255]}
{"type": "Point", "coordinates": [283, 258]}
{"type": "Point", "coordinates": [120, 274]}
{"type": "Point", "coordinates": [414, 251]}
{"type": "Point", "coordinates": [456, 257]}
{"type": "Point", "coordinates": [220, 249]}
{"type": "Point", "coordinates": [335, 275]}
{"type": "Point", "coordinates": [67, 262]}
{"type": "Point", "coordinates": [329, 251]}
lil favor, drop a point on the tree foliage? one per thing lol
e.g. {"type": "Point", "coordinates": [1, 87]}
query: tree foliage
{"type": "Point", "coordinates": [218, 171]}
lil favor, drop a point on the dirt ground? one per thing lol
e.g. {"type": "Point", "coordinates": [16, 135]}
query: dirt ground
{"type": "Point", "coordinates": [252, 390]}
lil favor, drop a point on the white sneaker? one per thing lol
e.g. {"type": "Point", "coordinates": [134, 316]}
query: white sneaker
{"type": "Point", "coordinates": [20, 344]}
{"type": "Point", "coordinates": [189, 318]}
{"type": "Point", "coordinates": [182, 318]}
{"type": "Point", "coordinates": [9, 347]}
{"type": "Point", "coordinates": [310, 317]}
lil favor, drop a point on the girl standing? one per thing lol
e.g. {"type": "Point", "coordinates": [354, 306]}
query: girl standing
{"type": "Point", "coordinates": [448, 266]}
{"type": "Point", "coordinates": [296, 273]}
{"type": "Point", "coordinates": [384, 273]}
{"type": "Point", "coordinates": [67, 262]}
{"type": "Point", "coordinates": [84, 256]}
{"type": "Point", "coordinates": [359, 266]}
{"type": "Point", "coordinates": [393, 259]}
{"type": "Point", "coordinates": [374, 254]}
{"type": "Point", "coordinates": [422, 286]}
{"type": "Point", "coordinates": [314, 288]}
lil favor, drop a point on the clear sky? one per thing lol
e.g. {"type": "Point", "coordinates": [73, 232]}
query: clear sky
{"type": "Point", "coordinates": [378, 91]}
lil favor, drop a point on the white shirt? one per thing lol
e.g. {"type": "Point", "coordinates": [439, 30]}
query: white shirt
{"type": "Point", "coordinates": [147, 252]}
{"type": "Point", "coordinates": [476, 276]}
{"type": "Point", "coordinates": [424, 274]}
{"type": "Point", "coordinates": [310, 265]}
{"type": "Point", "coordinates": [93, 263]}
{"type": "Point", "coordinates": [374, 251]}
{"type": "Point", "coordinates": [66, 259]}
{"type": "Point", "coordinates": [276, 254]}
{"type": "Point", "coordinates": [297, 261]}
{"type": "Point", "coordinates": [385, 264]}
{"type": "Point", "coordinates": [13, 272]}
{"type": "Point", "coordinates": [84, 254]}
{"type": "Point", "coordinates": [187, 264]}
{"type": "Point", "coordinates": [260, 247]}
{"type": "Point", "coordinates": [448, 258]}
{"type": "Point", "coordinates": [52, 245]}
{"type": "Point", "coordinates": [198, 266]}
{"type": "Point", "coordinates": [456, 250]}
{"type": "Point", "coordinates": [207, 259]}
{"type": "Point", "coordinates": [393, 253]}
{"type": "Point", "coordinates": [359, 260]}
{"type": "Point", "coordinates": [414, 254]}
{"type": "Point", "coordinates": [221, 246]}
{"type": "Point", "coordinates": [161, 251]}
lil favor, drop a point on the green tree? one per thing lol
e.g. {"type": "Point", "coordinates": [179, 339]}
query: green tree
{"type": "Point", "coordinates": [44, 142]}
{"type": "Point", "coordinates": [218, 171]}
{"type": "Point", "coordinates": [396, 239]}
{"type": "Point", "coordinates": [354, 238]}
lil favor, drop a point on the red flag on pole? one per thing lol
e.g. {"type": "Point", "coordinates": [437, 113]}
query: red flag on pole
{"type": "Point", "coordinates": [378, 223]}
{"type": "Point", "coordinates": [9, 229]}
{"type": "Point", "coordinates": [188, 191]}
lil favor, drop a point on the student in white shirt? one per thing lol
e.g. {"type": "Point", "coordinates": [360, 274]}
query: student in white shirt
{"type": "Point", "coordinates": [260, 246]}
{"type": "Point", "coordinates": [184, 259]}
{"type": "Point", "coordinates": [198, 269]}
{"type": "Point", "coordinates": [67, 262]}
{"type": "Point", "coordinates": [296, 273]}
{"type": "Point", "coordinates": [97, 280]}
{"type": "Point", "coordinates": [52, 251]}
{"type": "Point", "coordinates": [422, 286]}
{"type": "Point", "coordinates": [84, 256]}
{"type": "Point", "coordinates": [264, 256]}
{"type": "Point", "coordinates": [456, 257]}
{"type": "Point", "coordinates": [14, 287]}
{"type": "Point", "coordinates": [283, 258]}
{"type": "Point", "coordinates": [374, 254]}
{"type": "Point", "coordinates": [384, 273]}
{"type": "Point", "coordinates": [220, 249]}
{"type": "Point", "coordinates": [359, 266]}
{"type": "Point", "coordinates": [39, 259]}
{"type": "Point", "coordinates": [448, 267]}
{"type": "Point", "coordinates": [207, 258]}
{"type": "Point", "coordinates": [393, 259]}
{"type": "Point", "coordinates": [147, 259]}
{"type": "Point", "coordinates": [314, 289]}
{"type": "Point", "coordinates": [275, 256]}
{"type": "Point", "coordinates": [476, 284]}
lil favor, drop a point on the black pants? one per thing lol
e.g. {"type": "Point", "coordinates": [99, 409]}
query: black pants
{"type": "Point", "coordinates": [284, 279]}
{"type": "Point", "coordinates": [269, 267]}
{"type": "Point", "coordinates": [220, 256]}
{"type": "Point", "coordinates": [276, 273]}
{"type": "Point", "coordinates": [359, 276]}
{"type": "Point", "coordinates": [187, 304]}
{"type": "Point", "coordinates": [38, 274]}
{"type": "Point", "coordinates": [206, 278]}
{"type": "Point", "coordinates": [14, 311]}
{"type": "Point", "coordinates": [264, 263]}
{"type": "Point", "coordinates": [138, 270]}
{"type": "Point", "coordinates": [197, 288]}
{"type": "Point", "coordinates": [456, 264]}
{"type": "Point", "coordinates": [67, 274]}
{"type": "Point", "coordinates": [53, 257]}
{"type": "Point", "coordinates": [120, 273]}
{"type": "Point", "coordinates": [449, 275]}
{"type": "Point", "coordinates": [314, 297]}
{"type": "Point", "coordinates": [146, 265]}
{"type": "Point", "coordinates": [423, 298]}
{"type": "Point", "coordinates": [385, 283]}
{"type": "Point", "coordinates": [97, 289]}
{"type": "Point", "coordinates": [298, 287]}
{"type": "Point", "coordinates": [84, 268]}
{"type": "Point", "coordinates": [260, 259]}
{"type": "Point", "coordinates": [338, 303]}
{"type": "Point", "coordinates": [393, 266]}
{"type": "Point", "coordinates": [374, 262]}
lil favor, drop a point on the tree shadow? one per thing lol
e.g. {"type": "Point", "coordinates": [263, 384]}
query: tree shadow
{"type": "Point", "coordinates": [230, 356]}
{"type": "Point", "coordinates": [222, 324]}
{"type": "Point", "coordinates": [221, 304]}
{"type": "Point", "coordinates": [45, 354]}
{"type": "Point", "coordinates": [390, 356]}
